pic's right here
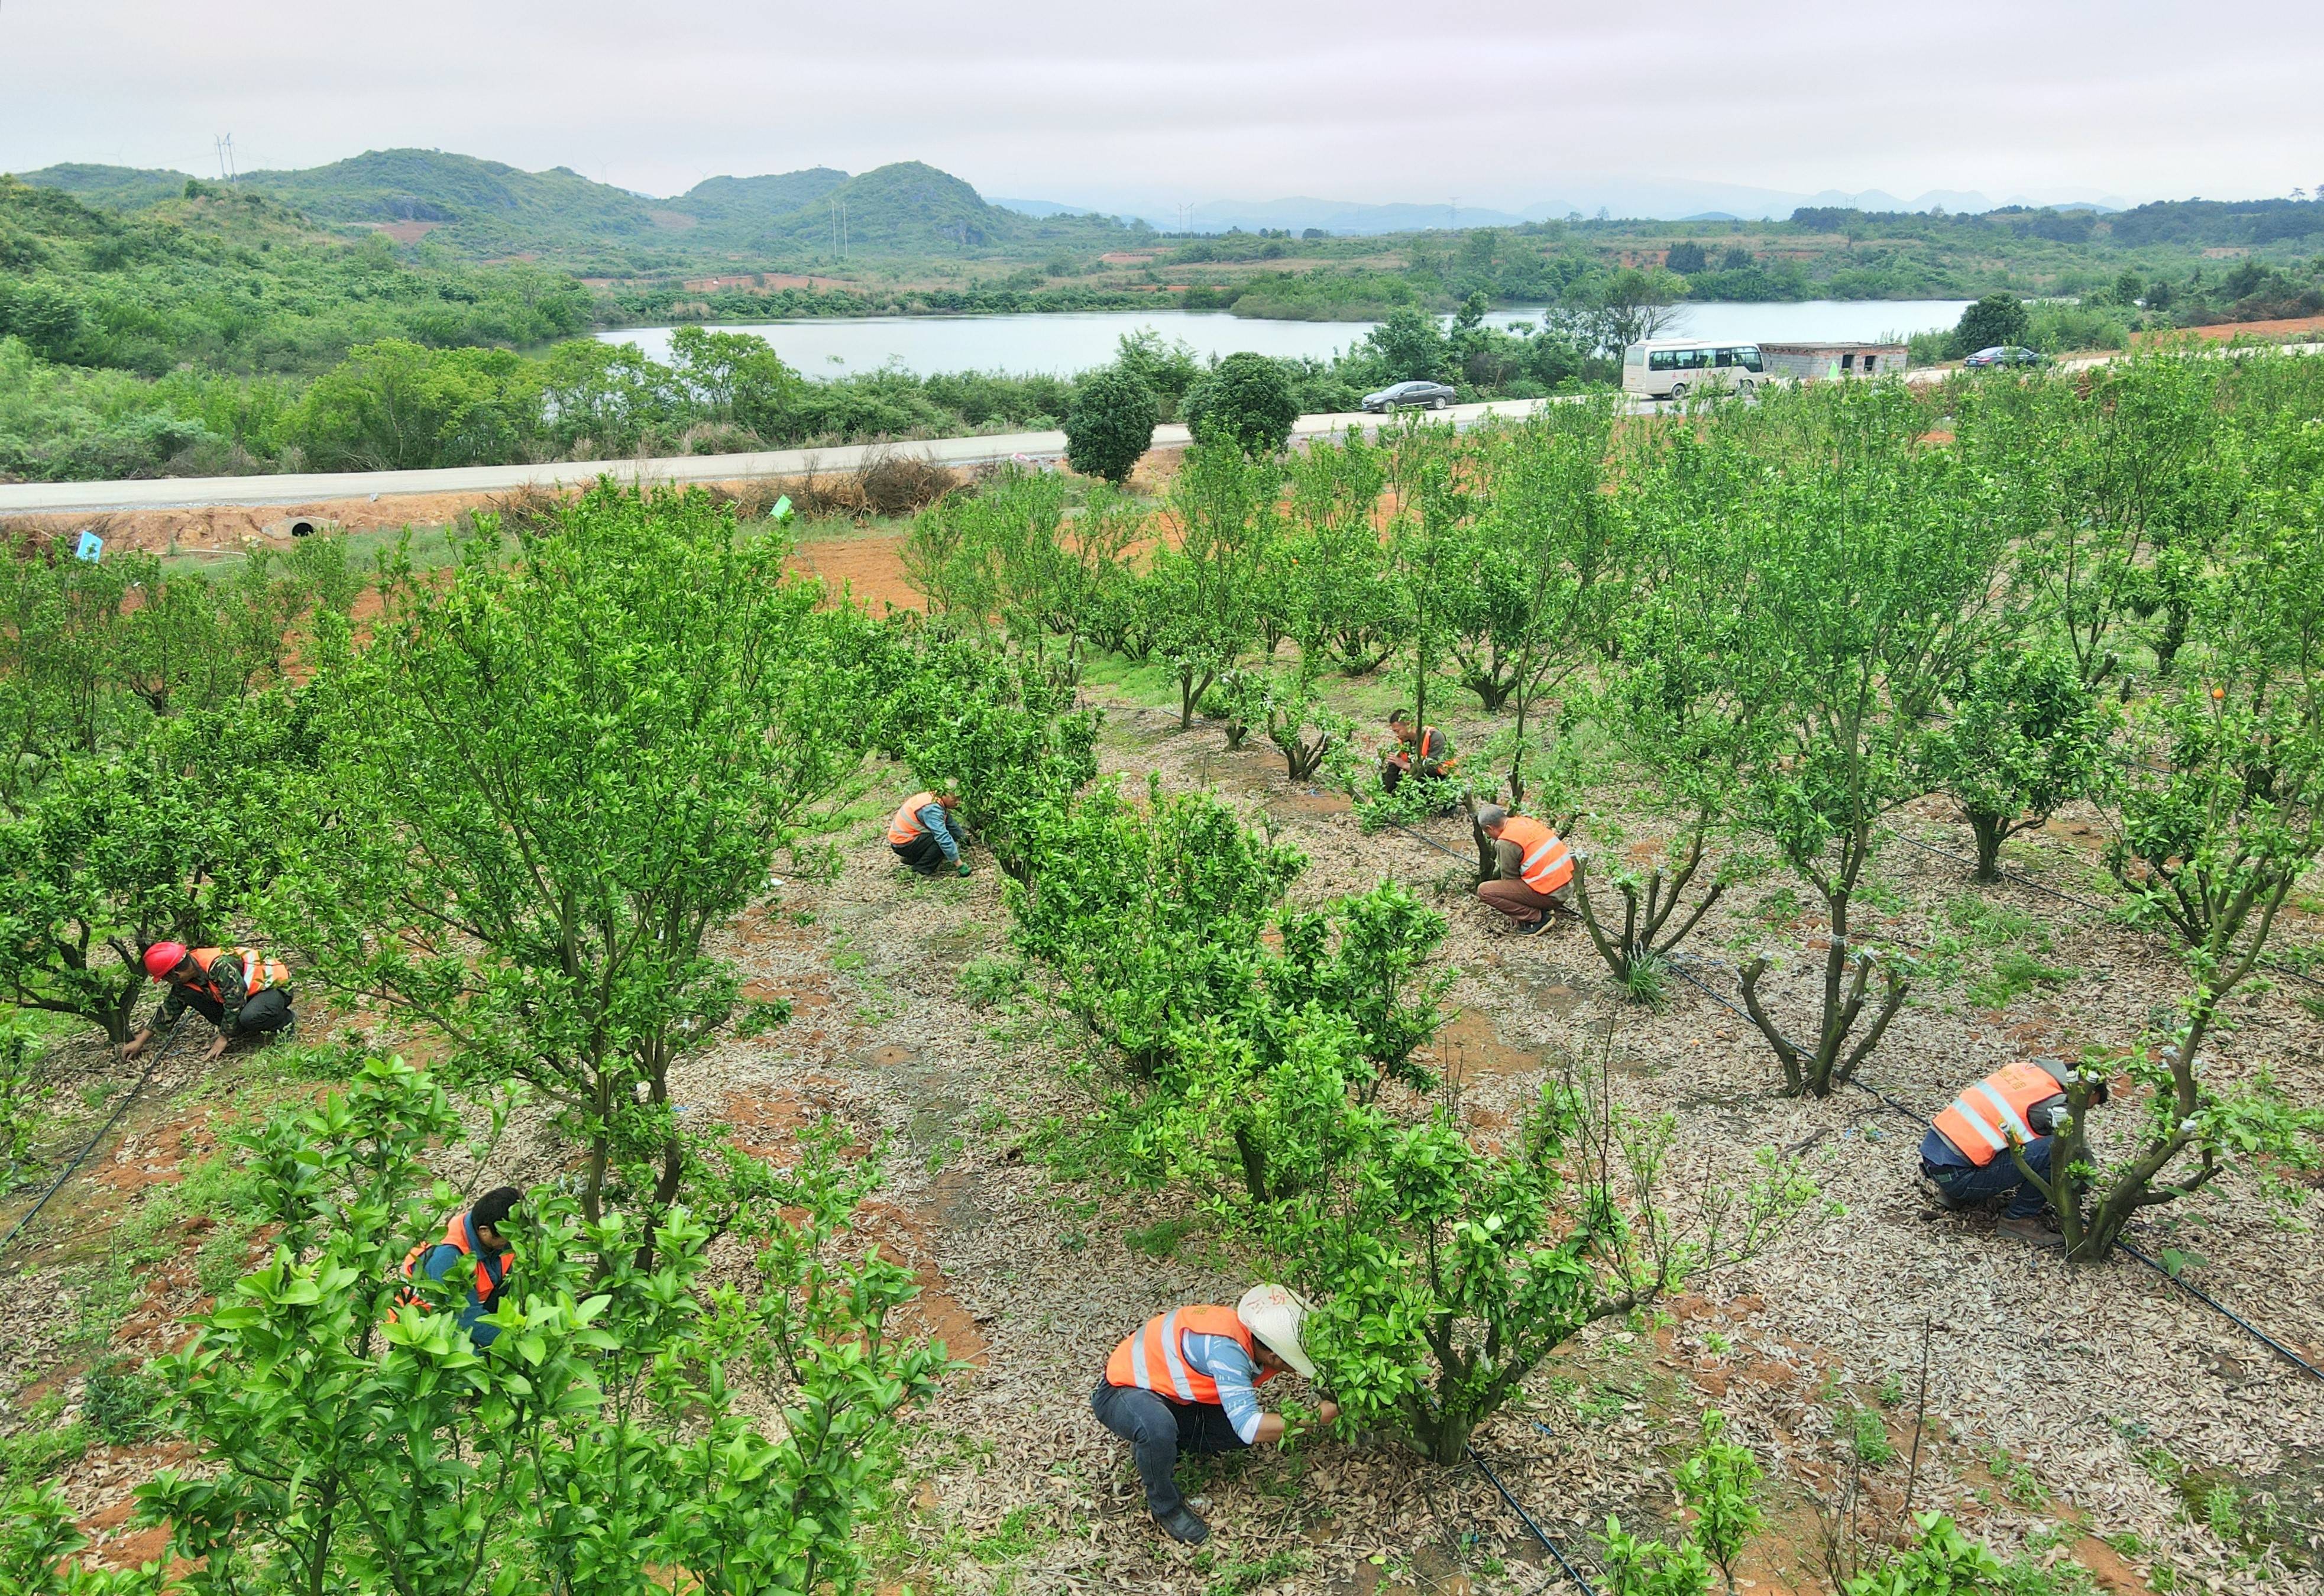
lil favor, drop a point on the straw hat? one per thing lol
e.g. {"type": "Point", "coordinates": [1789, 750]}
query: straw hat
{"type": "Point", "coordinates": [1273, 1313]}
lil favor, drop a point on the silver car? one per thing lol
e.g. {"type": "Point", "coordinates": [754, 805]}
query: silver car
{"type": "Point", "coordinates": [1415, 396]}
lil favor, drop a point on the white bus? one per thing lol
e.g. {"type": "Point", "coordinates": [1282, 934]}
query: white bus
{"type": "Point", "coordinates": [1673, 368]}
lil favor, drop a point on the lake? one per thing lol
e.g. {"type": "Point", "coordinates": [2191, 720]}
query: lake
{"type": "Point", "coordinates": [835, 346]}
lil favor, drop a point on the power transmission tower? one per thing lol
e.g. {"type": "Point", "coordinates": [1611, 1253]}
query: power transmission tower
{"type": "Point", "coordinates": [1453, 212]}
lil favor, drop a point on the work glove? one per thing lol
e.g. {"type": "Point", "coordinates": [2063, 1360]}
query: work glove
{"type": "Point", "coordinates": [963, 867]}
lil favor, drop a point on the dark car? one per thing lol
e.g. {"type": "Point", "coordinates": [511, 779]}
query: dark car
{"type": "Point", "coordinates": [1397, 396]}
{"type": "Point", "coordinates": [2006, 354]}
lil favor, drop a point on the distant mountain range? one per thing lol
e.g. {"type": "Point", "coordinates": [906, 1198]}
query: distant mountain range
{"type": "Point", "coordinates": [484, 210]}
{"type": "Point", "coordinates": [1691, 202]}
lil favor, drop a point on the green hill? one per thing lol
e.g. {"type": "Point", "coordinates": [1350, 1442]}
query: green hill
{"type": "Point", "coordinates": [468, 209]}
{"type": "Point", "coordinates": [112, 188]}
{"type": "Point", "coordinates": [484, 206]}
{"type": "Point", "coordinates": [756, 202]}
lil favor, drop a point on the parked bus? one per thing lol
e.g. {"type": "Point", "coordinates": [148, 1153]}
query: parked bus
{"type": "Point", "coordinates": [1673, 368]}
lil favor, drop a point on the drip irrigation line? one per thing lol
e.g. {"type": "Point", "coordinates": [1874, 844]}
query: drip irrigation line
{"type": "Point", "coordinates": [107, 1129]}
{"type": "Point", "coordinates": [2253, 1331]}
{"type": "Point", "coordinates": [2188, 1287]}
{"type": "Point", "coordinates": [1431, 842]}
{"type": "Point", "coordinates": [1539, 1533]}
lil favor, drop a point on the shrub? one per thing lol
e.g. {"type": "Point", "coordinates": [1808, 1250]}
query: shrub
{"type": "Point", "coordinates": [550, 776]}
{"type": "Point", "coordinates": [596, 1442]}
{"type": "Point", "coordinates": [1244, 403]}
{"type": "Point", "coordinates": [1996, 318]}
{"type": "Point", "coordinates": [2026, 738]}
{"type": "Point", "coordinates": [1110, 425]}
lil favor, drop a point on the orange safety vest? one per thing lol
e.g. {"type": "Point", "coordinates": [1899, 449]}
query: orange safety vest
{"type": "Point", "coordinates": [1419, 752]}
{"type": "Point", "coordinates": [906, 824]}
{"type": "Point", "coordinates": [1155, 1358]}
{"type": "Point", "coordinates": [1983, 1121]}
{"type": "Point", "coordinates": [492, 1268]}
{"type": "Point", "coordinates": [1543, 860]}
{"type": "Point", "coordinates": [258, 972]}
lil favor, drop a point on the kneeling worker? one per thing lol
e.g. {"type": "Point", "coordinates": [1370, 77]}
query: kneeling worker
{"type": "Point", "coordinates": [1966, 1153]}
{"type": "Point", "coordinates": [238, 989]}
{"type": "Point", "coordinates": [1420, 750]}
{"type": "Point", "coordinates": [924, 835]}
{"type": "Point", "coordinates": [1536, 865]}
{"type": "Point", "coordinates": [1186, 1382]}
{"type": "Point", "coordinates": [476, 1237]}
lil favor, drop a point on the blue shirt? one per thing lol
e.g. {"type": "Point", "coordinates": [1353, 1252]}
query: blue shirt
{"type": "Point", "coordinates": [931, 818]}
{"type": "Point", "coordinates": [443, 1259]}
{"type": "Point", "coordinates": [1231, 1369]}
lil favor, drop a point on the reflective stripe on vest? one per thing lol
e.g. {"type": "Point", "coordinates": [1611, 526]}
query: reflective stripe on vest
{"type": "Point", "coordinates": [258, 971]}
{"type": "Point", "coordinates": [456, 1235]}
{"type": "Point", "coordinates": [906, 824]}
{"type": "Point", "coordinates": [1984, 1119]}
{"type": "Point", "coordinates": [1154, 1359]}
{"type": "Point", "coordinates": [1545, 863]}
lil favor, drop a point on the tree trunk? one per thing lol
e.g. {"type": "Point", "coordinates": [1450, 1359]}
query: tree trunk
{"type": "Point", "coordinates": [1991, 830]}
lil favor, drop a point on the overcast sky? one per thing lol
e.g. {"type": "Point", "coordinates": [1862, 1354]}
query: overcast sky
{"type": "Point", "coordinates": [1502, 103]}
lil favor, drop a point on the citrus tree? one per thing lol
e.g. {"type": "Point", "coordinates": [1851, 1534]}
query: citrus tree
{"type": "Point", "coordinates": [2221, 813]}
{"type": "Point", "coordinates": [344, 1443]}
{"type": "Point", "coordinates": [548, 778]}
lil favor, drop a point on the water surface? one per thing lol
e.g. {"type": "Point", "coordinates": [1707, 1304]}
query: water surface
{"type": "Point", "coordinates": [835, 346]}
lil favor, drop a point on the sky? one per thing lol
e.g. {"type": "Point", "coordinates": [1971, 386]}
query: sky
{"type": "Point", "coordinates": [1500, 103]}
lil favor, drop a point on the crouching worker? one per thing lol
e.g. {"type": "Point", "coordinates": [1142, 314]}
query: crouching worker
{"type": "Point", "coordinates": [1966, 1153]}
{"type": "Point", "coordinates": [1188, 1382]}
{"type": "Point", "coordinates": [1419, 750]}
{"type": "Point", "coordinates": [1536, 869]}
{"type": "Point", "coordinates": [472, 1241]}
{"type": "Point", "coordinates": [238, 989]}
{"type": "Point", "coordinates": [925, 835]}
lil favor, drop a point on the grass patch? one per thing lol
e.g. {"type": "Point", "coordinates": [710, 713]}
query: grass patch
{"type": "Point", "coordinates": [1161, 1240]}
{"type": "Point", "coordinates": [2017, 973]}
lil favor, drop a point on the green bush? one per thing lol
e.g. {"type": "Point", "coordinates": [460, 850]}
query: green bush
{"type": "Point", "coordinates": [1245, 402]}
{"type": "Point", "coordinates": [1110, 425]}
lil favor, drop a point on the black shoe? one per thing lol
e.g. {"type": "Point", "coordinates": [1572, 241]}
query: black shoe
{"type": "Point", "coordinates": [1184, 1525]}
{"type": "Point", "coordinates": [1538, 926]}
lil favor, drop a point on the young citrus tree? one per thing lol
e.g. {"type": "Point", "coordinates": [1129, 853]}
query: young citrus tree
{"type": "Point", "coordinates": [2221, 813]}
{"type": "Point", "coordinates": [2026, 737]}
{"type": "Point", "coordinates": [1837, 575]}
{"type": "Point", "coordinates": [1202, 591]}
{"type": "Point", "coordinates": [347, 1443]}
{"type": "Point", "coordinates": [548, 778]}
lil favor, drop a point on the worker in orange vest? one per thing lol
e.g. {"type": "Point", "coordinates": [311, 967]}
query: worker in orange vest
{"type": "Point", "coordinates": [1187, 1382]}
{"type": "Point", "coordinates": [1419, 750]}
{"type": "Point", "coordinates": [924, 833]}
{"type": "Point", "coordinates": [238, 989]}
{"type": "Point", "coordinates": [1966, 1153]}
{"type": "Point", "coordinates": [475, 1237]}
{"type": "Point", "coordinates": [1536, 869]}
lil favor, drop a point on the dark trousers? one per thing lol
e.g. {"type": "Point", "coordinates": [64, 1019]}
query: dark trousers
{"type": "Point", "coordinates": [1158, 1431]}
{"type": "Point", "coordinates": [1967, 1186]}
{"type": "Point", "coordinates": [265, 1011]}
{"type": "Point", "coordinates": [923, 853]}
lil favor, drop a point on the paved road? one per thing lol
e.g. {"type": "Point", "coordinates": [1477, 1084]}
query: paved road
{"type": "Point", "coordinates": [186, 493]}
{"type": "Point", "coordinates": [193, 492]}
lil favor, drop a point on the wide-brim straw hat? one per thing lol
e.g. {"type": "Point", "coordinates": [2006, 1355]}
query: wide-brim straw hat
{"type": "Point", "coordinates": [1273, 1313]}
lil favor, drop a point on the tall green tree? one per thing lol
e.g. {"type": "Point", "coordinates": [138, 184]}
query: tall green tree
{"type": "Point", "coordinates": [1245, 402]}
{"type": "Point", "coordinates": [548, 778]}
{"type": "Point", "coordinates": [1110, 425]}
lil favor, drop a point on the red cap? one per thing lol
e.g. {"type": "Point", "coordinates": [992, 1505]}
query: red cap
{"type": "Point", "coordinates": [163, 957]}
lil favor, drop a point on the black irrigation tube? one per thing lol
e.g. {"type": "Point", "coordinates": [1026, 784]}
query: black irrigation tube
{"type": "Point", "coordinates": [2188, 1287]}
{"type": "Point", "coordinates": [57, 1185]}
{"type": "Point", "coordinates": [1431, 841]}
{"type": "Point", "coordinates": [1539, 1533]}
{"type": "Point", "coordinates": [2253, 1331]}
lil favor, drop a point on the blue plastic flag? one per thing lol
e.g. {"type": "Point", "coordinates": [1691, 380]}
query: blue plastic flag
{"type": "Point", "coordinates": [91, 548]}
